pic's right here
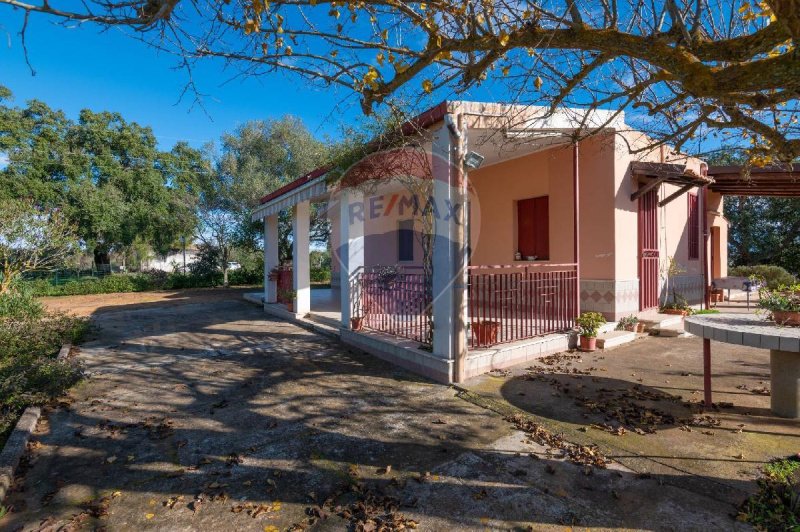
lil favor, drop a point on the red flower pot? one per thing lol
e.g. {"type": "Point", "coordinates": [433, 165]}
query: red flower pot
{"type": "Point", "coordinates": [588, 344]}
{"type": "Point", "coordinates": [356, 324]}
{"type": "Point", "coordinates": [785, 317]}
{"type": "Point", "coordinates": [486, 332]}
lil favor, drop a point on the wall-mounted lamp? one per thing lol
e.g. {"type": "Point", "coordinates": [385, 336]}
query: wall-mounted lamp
{"type": "Point", "coordinates": [473, 160]}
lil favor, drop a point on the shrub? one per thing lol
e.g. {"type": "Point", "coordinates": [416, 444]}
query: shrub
{"type": "Point", "coordinates": [775, 506]}
{"type": "Point", "coordinates": [321, 275]}
{"type": "Point", "coordinates": [29, 372]}
{"type": "Point", "coordinates": [20, 305]}
{"type": "Point", "coordinates": [772, 276]}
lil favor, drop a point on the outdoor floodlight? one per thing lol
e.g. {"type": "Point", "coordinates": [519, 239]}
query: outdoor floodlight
{"type": "Point", "coordinates": [473, 160]}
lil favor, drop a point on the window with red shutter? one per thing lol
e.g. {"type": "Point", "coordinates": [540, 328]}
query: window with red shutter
{"type": "Point", "coordinates": [694, 227]}
{"type": "Point", "coordinates": [533, 228]}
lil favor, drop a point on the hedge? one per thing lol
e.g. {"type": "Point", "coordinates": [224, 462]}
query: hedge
{"type": "Point", "coordinates": [137, 282]}
{"type": "Point", "coordinates": [774, 276]}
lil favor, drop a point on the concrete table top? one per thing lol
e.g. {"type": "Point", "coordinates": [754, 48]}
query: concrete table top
{"type": "Point", "coordinates": [744, 329]}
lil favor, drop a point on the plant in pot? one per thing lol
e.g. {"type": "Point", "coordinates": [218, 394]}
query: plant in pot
{"type": "Point", "coordinates": [677, 304]}
{"type": "Point", "coordinates": [588, 323]}
{"type": "Point", "coordinates": [287, 296]}
{"type": "Point", "coordinates": [783, 304]}
{"type": "Point", "coordinates": [628, 323]}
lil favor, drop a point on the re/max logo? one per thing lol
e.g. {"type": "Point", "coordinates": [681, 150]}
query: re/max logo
{"type": "Point", "coordinates": [378, 206]}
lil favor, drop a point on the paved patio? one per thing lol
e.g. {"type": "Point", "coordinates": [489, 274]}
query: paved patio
{"type": "Point", "coordinates": [206, 414]}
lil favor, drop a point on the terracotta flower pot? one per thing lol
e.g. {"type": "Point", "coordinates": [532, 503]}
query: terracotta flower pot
{"type": "Point", "coordinates": [674, 311]}
{"type": "Point", "coordinates": [784, 317]}
{"type": "Point", "coordinates": [588, 344]}
{"type": "Point", "coordinates": [486, 332]}
{"type": "Point", "coordinates": [290, 306]}
{"type": "Point", "coordinates": [640, 327]}
{"type": "Point", "coordinates": [357, 324]}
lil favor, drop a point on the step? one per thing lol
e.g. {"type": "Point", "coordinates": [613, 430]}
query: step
{"type": "Point", "coordinates": [662, 321]}
{"type": "Point", "coordinates": [615, 338]}
{"type": "Point", "coordinates": [323, 320]}
{"type": "Point", "coordinates": [670, 332]}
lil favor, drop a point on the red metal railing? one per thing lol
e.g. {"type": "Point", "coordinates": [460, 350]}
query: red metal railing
{"type": "Point", "coordinates": [394, 302]}
{"type": "Point", "coordinates": [509, 303]}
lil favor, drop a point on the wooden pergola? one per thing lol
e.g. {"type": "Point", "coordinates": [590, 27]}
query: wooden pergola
{"type": "Point", "coordinates": [774, 181]}
{"type": "Point", "coordinates": [650, 175]}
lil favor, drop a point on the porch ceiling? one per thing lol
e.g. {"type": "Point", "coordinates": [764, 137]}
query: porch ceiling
{"type": "Point", "coordinates": [499, 146]}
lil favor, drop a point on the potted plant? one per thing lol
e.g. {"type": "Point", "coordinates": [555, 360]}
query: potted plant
{"type": "Point", "coordinates": [588, 323]}
{"type": "Point", "coordinates": [628, 323]}
{"type": "Point", "coordinates": [288, 297]}
{"type": "Point", "coordinates": [678, 306]}
{"type": "Point", "coordinates": [783, 303]}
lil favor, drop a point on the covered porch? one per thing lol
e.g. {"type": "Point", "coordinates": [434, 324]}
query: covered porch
{"type": "Point", "coordinates": [477, 306]}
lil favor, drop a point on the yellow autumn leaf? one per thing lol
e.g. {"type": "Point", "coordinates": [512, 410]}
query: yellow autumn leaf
{"type": "Point", "coordinates": [149, 516]}
{"type": "Point", "coordinates": [506, 70]}
{"type": "Point", "coordinates": [379, 58]}
{"type": "Point", "coordinates": [427, 85]}
{"type": "Point", "coordinates": [537, 83]}
{"type": "Point", "coordinates": [503, 39]}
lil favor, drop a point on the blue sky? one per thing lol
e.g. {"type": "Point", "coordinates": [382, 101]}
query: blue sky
{"type": "Point", "coordinates": [107, 70]}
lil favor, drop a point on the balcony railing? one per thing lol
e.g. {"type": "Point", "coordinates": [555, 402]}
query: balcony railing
{"type": "Point", "coordinates": [510, 303]}
{"type": "Point", "coordinates": [394, 301]}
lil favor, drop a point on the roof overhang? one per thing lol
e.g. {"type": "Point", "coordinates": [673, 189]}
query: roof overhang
{"type": "Point", "coordinates": [652, 174]}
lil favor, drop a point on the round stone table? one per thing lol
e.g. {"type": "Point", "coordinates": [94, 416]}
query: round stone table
{"type": "Point", "coordinates": [746, 329]}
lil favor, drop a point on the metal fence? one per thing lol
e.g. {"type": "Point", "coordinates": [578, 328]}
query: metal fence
{"type": "Point", "coordinates": [393, 301]}
{"type": "Point", "coordinates": [509, 303]}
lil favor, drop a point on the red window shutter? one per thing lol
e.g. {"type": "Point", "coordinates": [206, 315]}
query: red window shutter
{"type": "Point", "coordinates": [533, 227]}
{"type": "Point", "coordinates": [542, 214]}
{"type": "Point", "coordinates": [526, 227]}
{"type": "Point", "coordinates": [694, 227]}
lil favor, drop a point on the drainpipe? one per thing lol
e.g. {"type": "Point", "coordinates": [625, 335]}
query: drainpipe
{"type": "Point", "coordinates": [455, 125]}
{"type": "Point", "coordinates": [576, 225]}
{"type": "Point", "coordinates": [703, 208]}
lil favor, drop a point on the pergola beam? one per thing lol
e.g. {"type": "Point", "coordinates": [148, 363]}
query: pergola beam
{"type": "Point", "coordinates": [681, 191]}
{"type": "Point", "coordinates": [650, 185]}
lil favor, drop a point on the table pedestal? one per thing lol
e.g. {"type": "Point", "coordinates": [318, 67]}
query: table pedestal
{"type": "Point", "coordinates": [785, 389]}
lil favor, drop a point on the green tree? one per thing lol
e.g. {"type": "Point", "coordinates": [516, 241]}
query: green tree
{"type": "Point", "coordinates": [261, 156]}
{"type": "Point", "coordinates": [32, 239]}
{"type": "Point", "coordinates": [107, 174]}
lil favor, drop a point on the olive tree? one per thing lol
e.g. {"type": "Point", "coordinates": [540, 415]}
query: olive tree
{"type": "Point", "coordinates": [32, 239]}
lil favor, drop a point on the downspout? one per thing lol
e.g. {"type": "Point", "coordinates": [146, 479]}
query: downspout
{"type": "Point", "coordinates": [576, 225]}
{"type": "Point", "coordinates": [455, 125]}
{"type": "Point", "coordinates": [703, 207]}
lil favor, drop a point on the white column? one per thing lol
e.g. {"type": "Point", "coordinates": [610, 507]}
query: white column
{"type": "Point", "coordinates": [271, 257]}
{"type": "Point", "coordinates": [443, 249]}
{"type": "Point", "coordinates": [301, 220]}
{"type": "Point", "coordinates": [351, 246]}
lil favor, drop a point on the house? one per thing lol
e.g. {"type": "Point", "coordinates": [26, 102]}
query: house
{"type": "Point", "coordinates": [174, 260]}
{"type": "Point", "coordinates": [474, 244]}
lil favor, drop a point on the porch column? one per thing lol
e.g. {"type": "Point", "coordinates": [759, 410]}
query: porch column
{"type": "Point", "coordinates": [271, 257]}
{"type": "Point", "coordinates": [351, 247]}
{"type": "Point", "coordinates": [301, 274]}
{"type": "Point", "coordinates": [448, 253]}
{"type": "Point", "coordinates": [576, 224]}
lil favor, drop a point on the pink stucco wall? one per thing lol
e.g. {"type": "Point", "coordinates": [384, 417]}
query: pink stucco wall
{"type": "Point", "coordinates": [498, 187]}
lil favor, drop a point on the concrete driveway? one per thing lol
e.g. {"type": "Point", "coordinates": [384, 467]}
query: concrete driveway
{"type": "Point", "coordinates": [204, 414]}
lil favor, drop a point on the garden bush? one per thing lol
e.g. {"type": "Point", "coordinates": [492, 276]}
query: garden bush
{"type": "Point", "coordinates": [139, 282]}
{"type": "Point", "coordinates": [30, 373]}
{"type": "Point", "coordinates": [773, 276]}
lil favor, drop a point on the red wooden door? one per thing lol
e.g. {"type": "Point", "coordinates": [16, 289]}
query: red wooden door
{"type": "Point", "coordinates": [648, 250]}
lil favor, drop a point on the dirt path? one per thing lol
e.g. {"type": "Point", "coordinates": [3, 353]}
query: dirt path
{"type": "Point", "coordinates": [206, 415]}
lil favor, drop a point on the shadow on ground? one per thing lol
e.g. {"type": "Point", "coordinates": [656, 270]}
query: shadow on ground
{"type": "Point", "coordinates": [209, 415]}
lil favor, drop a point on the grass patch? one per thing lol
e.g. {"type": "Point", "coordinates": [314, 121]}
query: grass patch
{"type": "Point", "coordinates": [776, 506]}
{"type": "Point", "coordinates": [706, 311]}
{"type": "Point", "coordinates": [30, 373]}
